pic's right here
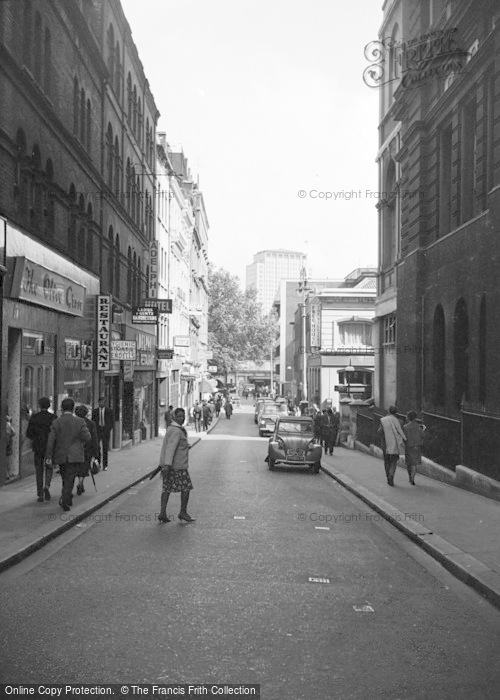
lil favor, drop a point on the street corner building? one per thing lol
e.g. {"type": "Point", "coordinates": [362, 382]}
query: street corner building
{"type": "Point", "coordinates": [437, 328]}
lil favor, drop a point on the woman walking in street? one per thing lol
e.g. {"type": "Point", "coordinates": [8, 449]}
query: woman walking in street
{"type": "Point", "coordinates": [413, 445]}
{"type": "Point", "coordinates": [174, 465]}
{"type": "Point", "coordinates": [91, 449]}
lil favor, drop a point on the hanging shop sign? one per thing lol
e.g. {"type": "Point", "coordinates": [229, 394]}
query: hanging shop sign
{"type": "Point", "coordinates": [144, 314]}
{"type": "Point", "coordinates": [315, 325]}
{"type": "Point", "coordinates": [86, 355]}
{"type": "Point", "coordinates": [164, 353]}
{"type": "Point", "coordinates": [36, 284]}
{"type": "Point", "coordinates": [103, 332]}
{"type": "Point", "coordinates": [182, 341]}
{"type": "Point", "coordinates": [153, 270]}
{"type": "Point", "coordinates": [163, 306]}
{"type": "Point", "coordinates": [212, 369]}
{"type": "Point", "coordinates": [123, 350]}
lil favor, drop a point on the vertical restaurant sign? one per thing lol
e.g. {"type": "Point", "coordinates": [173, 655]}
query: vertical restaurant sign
{"type": "Point", "coordinates": [315, 326]}
{"type": "Point", "coordinates": [103, 332]}
{"type": "Point", "coordinates": [153, 270]}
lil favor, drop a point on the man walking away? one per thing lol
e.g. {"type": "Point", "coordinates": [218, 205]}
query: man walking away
{"type": "Point", "coordinates": [413, 446]}
{"type": "Point", "coordinates": [38, 432]}
{"type": "Point", "coordinates": [104, 420]}
{"type": "Point", "coordinates": [207, 414]}
{"type": "Point", "coordinates": [393, 442]}
{"type": "Point", "coordinates": [228, 408]}
{"type": "Point", "coordinates": [66, 447]}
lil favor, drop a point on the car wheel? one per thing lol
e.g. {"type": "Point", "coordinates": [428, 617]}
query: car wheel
{"type": "Point", "coordinates": [270, 464]}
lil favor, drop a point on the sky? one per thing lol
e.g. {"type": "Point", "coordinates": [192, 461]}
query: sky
{"type": "Point", "coordinates": [267, 100]}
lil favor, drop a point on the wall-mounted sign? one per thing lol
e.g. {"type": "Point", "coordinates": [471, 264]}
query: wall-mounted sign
{"type": "Point", "coordinates": [73, 349]}
{"type": "Point", "coordinates": [164, 306]}
{"type": "Point", "coordinates": [144, 314]}
{"type": "Point", "coordinates": [212, 369]}
{"type": "Point", "coordinates": [123, 350]}
{"type": "Point", "coordinates": [86, 355]}
{"type": "Point", "coordinates": [103, 332]}
{"type": "Point", "coordinates": [38, 285]}
{"type": "Point", "coordinates": [315, 325]}
{"type": "Point", "coordinates": [128, 371]}
{"type": "Point", "coordinates": [153, 270]}
{"type": "Point", "coordinates": [182, 341]}
{"type": "Point", "coordinates": [165, 353]}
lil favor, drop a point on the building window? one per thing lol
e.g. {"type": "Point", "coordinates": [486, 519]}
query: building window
{"type": "Point", "coordinates": [389, 336]}
{"type": "Point", "coordinates": [438, 357]}
{"type": "Point", "coordinates": [445, 173]}
{"type": "Point", "coordinates": [129, 275]}
{"type": "Point", "coordinates": [111, 52]}
{"type": "Point", "coordinates": [117, 266]}
{"type": "Point", "coordinates": [134, 111]}
{"type": "Point", "coordinates": [117, 76]}
{"type": "Point", "coordinates": [129, 99]}
{"type": "Point", "coordinates": [89, 126]}
{"type": "Point", "coordinates": [27, 32]}
{"type": "Point", "coordinates": [389, 218]}
{"type": "Point", "coordinates": [47, 62]}
{"type": "Point", "coordinates": [37, 67]}
{"type": "Point", "coordinates": [82, 116]}
{"type": "Point", "coordinates": [117, 177]}
{"type": "Point", "coordinates": [468, 175]}
{"type": "Point", "coordinates": [72, 221]}
{"type": "Point", "coordinates": [90, 238]}
{"type": "Point", "coordinates": [461, 352]}
{"type": "Point", "coordinates": [111, 243]}
{"type": "Point", "coordinates": [355, 333]}
{"type": "Point", "coordinates": [109, 156]}
{"type": "Point", "coordinates": [76, 105]}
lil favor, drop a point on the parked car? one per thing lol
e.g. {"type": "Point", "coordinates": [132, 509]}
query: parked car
{"type": "Point", "coordinates": [267, 418]}
{"type": "Point", "coordinates": [258, 405]}
{"type": "Point", "coordinates": [293, 444]}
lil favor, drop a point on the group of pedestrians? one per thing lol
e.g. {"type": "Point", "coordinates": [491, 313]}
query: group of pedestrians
{"type": "Point", "coordinates": [396, 440]}
{"type": "Point", "coordinates": [71, 442]}
{"type": "Point", "coordinates": [326, 428]}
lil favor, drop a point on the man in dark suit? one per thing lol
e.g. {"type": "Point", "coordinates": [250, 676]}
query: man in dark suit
{"type": "Point", "coordinates": [104, 420]}
{"type": "Point", "coordinates": [38, 432]}
{"type": "Point", "coordinates": [66, 447]}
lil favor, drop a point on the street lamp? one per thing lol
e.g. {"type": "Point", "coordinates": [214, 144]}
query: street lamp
{"type": "Point", "coordinates": [303, 289]}
{"type": "Point", "coordinates": [349, 370]}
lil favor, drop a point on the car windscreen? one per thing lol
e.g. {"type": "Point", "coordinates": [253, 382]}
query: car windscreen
{"type": "Point", "coordinates": [296, 428]}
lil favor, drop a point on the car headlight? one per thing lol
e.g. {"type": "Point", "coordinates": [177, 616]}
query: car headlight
{"type": "Point", "coordinates": [262, 421]}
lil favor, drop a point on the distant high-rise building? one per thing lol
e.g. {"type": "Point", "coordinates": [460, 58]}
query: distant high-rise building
{"type": "Point", "coordinates": [269, 267]}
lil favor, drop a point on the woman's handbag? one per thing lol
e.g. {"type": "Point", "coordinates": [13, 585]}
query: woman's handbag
{"type": "Point", "coordinates": [96, 467]}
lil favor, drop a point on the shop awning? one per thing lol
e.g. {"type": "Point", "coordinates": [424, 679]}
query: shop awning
{"type": "Point", "coordinates": [206, 387]}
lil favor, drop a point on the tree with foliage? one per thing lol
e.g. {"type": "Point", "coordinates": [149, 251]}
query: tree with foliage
{"type": "Point", "coordinates": [238, 330]}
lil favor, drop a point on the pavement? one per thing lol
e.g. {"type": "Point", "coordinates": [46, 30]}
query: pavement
{"type": "Point", "coordinates": [457, 527]}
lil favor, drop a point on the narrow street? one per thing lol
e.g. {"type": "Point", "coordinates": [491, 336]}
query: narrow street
{"type": "Point", "coordinates": [229, 598]}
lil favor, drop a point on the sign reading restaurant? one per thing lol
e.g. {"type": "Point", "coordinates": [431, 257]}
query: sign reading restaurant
{"type": "Point", "coordinates": [103, 332]}
{"type": "Point", "coordinates": [36, 284]}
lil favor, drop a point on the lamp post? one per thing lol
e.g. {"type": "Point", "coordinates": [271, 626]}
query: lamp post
{"type": "Point", "coordinates": [303, 289]}
{"type": "Point", "coordinates": [349, 370]}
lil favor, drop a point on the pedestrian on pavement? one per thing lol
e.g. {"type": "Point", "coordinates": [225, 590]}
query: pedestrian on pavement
{"type": "Point", "coordinates": [91, 449]}
{"type": "Point", "coordinates": [228, 408]}
{"type": "Point", "coordinates": [206, 415]}
{"type": "Point", "coordinates": [413, 445]}
{"type": "Point", "coordinates": [104, 420]}
{"type": "Point", "coordinates": [38, 432]}
{"type": "Point", "coordinates": [66, 447]}
{"type": "Point", "coordinates": [174, 463]}
{"type": "Point", "coordinates": [393, 442]}
{"type": "Point", "coordinates": [324, 423]}
{"type": "Point", "coordinates": [197, 413]}
{"type": "Point", "coordinates": [330, 431]}
{"type": "Point", "coordinates": [317, 426]}
{"type": "Point", "coordinates": [218, 406]}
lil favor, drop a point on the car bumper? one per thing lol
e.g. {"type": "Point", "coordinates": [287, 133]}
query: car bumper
{"type": "Point", "coordinates": [280, 457]}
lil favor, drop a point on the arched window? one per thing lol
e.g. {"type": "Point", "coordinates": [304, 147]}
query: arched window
{"type": "Point", "coordinates": [128, 192]}
{"type": "Point", "coordinates": [140, 135]}
{"type": "Point", "coordinates": [117, 265]}
{"type": "Point", "coordinates": [109, 156]}
{"type": "Point", "coordinates": [129, 275]}
{"type": "Point", "coordinates": [147, 139]}
{"type": "Point", "coordinates": [389, 217]}
{"type": "Point", "coordinates": [37, 63]}
{"type": "Point", "coordinates": [111, 268]}
{"type": "Point", "coordinates": [27, 32]}
{"type": "Point", "coordinates": [117, 76]}
{"type": "Point", "coordinates": [81, 244]}
{"type": "Point", "coordinates": [47, 62]}
{"type": "Point", "coordinates": [461, 352]}
{"type": "Point", "coordinates": [139, 282]}
{"type": "Point", "coordinates": [139, 200]}
{"type": "Point", "coordinates": [133, 194]}
{"type": "Point", "coordinates": [89, 126]}
{"type": "Point", "coordinates": [76, 105]}
{"type": "Point", "coordinates": [111, 51]}
{"type": "Point", "coordinates": [82, 116]}
{"type": "Point", "coordinates": [72, 221]}
{"type": "Point", "coordinates": [117, 177]}
{"type": "Point", "coordinates": [151, 147]}
{"type": "Point", "coordinates": [134, 279]}
{"type": "Point", "coordinates": [90, 237]}
{"type": "Point", "coordinates": [129, 98]}
{"type": "Point", "coordinates": [134, 111]}
{"type": "Point", "coordinates": [482, 351]}
{"type": "Point", "coordinates": [438, 357]}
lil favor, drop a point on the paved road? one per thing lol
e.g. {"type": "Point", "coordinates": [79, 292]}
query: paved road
{"type": "Point", "coordinates": [228, 598]}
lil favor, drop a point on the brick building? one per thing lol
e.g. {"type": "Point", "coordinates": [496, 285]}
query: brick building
{"type": "Point", "coordinates": [438, 304]}
{"type": "Point", "coordinates": [77, 148]}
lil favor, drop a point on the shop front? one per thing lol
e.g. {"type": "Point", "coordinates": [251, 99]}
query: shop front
{"type": "Point", "coordinates": [49, 332]}
{"type": "Point", "coordinates": [139, 387]}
